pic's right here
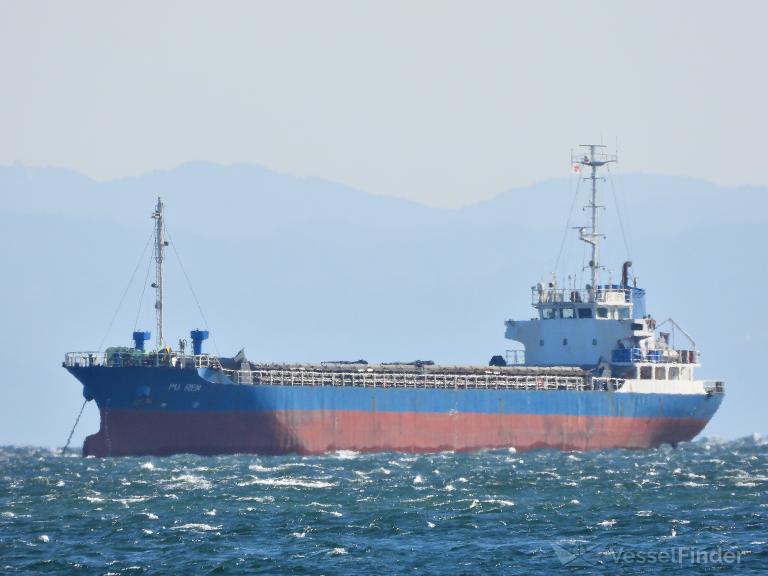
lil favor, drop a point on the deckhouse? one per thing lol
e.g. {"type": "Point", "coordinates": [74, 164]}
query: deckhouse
{"type": "Point", "coordinates": [601, 327]}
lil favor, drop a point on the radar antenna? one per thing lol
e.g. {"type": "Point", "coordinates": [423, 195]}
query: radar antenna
{"type": "Point", "coordinates": [595, 159]}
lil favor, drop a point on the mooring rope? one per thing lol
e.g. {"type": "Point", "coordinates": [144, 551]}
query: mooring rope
{"type": "Point", "coordinates": [66, 446]}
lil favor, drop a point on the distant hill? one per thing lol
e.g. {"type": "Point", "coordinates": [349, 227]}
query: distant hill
{"type": "Point", "coordinates": [300, 269]}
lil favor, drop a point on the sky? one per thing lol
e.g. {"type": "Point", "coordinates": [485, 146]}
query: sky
{"type": "Point", "coordinates": [445, 103]}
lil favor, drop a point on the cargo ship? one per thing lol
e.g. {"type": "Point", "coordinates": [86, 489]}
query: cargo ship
{"type": "Point", "coordinates": [592, 370]}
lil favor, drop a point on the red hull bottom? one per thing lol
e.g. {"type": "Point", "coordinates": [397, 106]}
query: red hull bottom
{"type": "Point", "coordinates": [136, 432]}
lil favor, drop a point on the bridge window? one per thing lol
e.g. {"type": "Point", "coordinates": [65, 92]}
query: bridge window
{"type": "Point", "coordinates": [661, 373]}
{"type": "Point", "coordinates": [548, 313]}
{"type": "Point", "coordinates": [602, 312]}
{"type": "Point", "coordinates": [594, 341]}
{"type": "Point", "coordinates": [624, 313]}
{"type": "Point", "coordinates": [674, 373]}
{"type": "Point", "coordinates": [565, 341]}
{"type": "Point", "coordinates": [585, 312]}
{"type": "Point", "coordinates": [541, 342]}
{"type": "Point", "coordinates": [568, 313]}
{"type": "Point", "coordinates": [646, 372]}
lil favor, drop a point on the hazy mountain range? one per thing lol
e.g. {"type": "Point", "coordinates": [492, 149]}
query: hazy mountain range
{"type": "Point", "coordinates": [297, 269]}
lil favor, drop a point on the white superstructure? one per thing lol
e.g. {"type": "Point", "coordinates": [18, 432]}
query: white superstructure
{"type": "Point", "coordinates": [605, 327]}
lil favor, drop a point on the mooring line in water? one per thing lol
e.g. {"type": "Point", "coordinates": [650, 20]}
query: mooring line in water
{"type": "Point", "coordinates": [64, 450]}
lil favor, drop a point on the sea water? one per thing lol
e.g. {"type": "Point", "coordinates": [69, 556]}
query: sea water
{"type": "Point", "coordinates": [699, 508]}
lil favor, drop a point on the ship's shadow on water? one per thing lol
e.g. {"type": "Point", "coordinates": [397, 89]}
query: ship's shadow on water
{"type": "Point", "coordinates": [697, 508]}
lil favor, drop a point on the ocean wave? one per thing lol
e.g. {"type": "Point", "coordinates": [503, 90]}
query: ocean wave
{"type": "Point", "coordinates": [258, 467]}
{"type": "Point", "coordinates": [188, 482]}
{"type": "Point", "coordinates": [286, 514]}
{"type": "Point", "coordinates": [345, 454]}
{"type": "Point", "coordinates": [197, 527]}
{"type": "Point", "coordinates": [288, 483]}
{"type": "Point", "coordinates": [499, 502]}
{"type": "Point", "coordinates": [607, 523]}
{"type": "Point", "coordinates": [128, 500]}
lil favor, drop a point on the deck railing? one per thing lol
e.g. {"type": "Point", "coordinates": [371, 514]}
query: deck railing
{"type": "Point", "coordinates": [440, 377]}
{"type": "Point", "coordinates": [659, 356]}
{"type": "Point", "coordinates": [603, 295]}
{"type": "Point", "coordinates": [457, 381]}
{"type": "Point", "coordinates": [137, 358]}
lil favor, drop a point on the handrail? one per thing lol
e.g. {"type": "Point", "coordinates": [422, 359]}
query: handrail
{"type": "Point", "coordinates": [614, 294]}
{"type": "Point", "coordinates": [131, 357]}
{"type": "Point", "coordinates": [298, 375]}
{"type": "Point", "coordinates": [458, 381]}
{"type": "Point", "coordinates": [630, 356]}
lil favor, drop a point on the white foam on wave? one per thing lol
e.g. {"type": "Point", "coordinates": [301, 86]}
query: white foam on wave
{"type": "Point", "coordinates": [418, 479]}
{"type": "Point", "coordinates": [298, 534]}
{"type": "Point", "coordinates": [260, 499]}
{"type": "Point", "coordinates": [430, 524]}
{"type": "Point", "coordinates": [8, 515]}
{"type": "Point", "coordinates": [43, 538]}
{"type": "Point", "coordinates": [147, 466]}
{"type": "Point", "coordinates": [197, 527]}
{"type": "Point", "coordinates": [338, 551]}
{"type": "Point", "coordinates": [126, 502]}
{"type": "Point", "coordinates": [500, 502]}
{"type": "Point", "coordinates": [256, 467]}
{"type": "Point", "coordinates": [287, 483]}
{"type": "Point", "coordinates": [574, 502]}
{"type": "Point", "coordinates": [188, 482]}
{"type": "Point", "coordinates": [607, 523]}
{"type": "Point", "coordinates": [512, 450]}
{"type": "Point", "coordinates": [211, 512]}
{"type": "Point", "coordinates": [549, 473]}
{"type": "Point", "coordinates": [320, 505]}
{"type": "Point", "coordinates": [346, 454]}
{"type": "Point", "coordinates": [151, 516]}
{"type": "Point", "coordinates": [644, 513]}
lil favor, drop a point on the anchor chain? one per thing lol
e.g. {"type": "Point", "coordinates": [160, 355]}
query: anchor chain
{"type": "Point", "coordinates": [69, 439]}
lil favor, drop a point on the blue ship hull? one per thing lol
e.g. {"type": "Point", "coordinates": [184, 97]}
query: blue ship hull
{"type": "Point", "coordinates": [165, 410]}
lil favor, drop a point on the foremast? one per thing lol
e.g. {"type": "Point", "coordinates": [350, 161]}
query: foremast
{"type": "Point", "coordinates": [595, 159]}
{"type": "Point", "coordinates": [160, 245]}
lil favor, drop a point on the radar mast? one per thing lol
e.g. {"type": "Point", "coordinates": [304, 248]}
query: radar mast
{"type": "Point", "coordinates": [595, 159]}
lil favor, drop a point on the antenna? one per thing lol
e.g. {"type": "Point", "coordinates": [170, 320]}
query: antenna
{"type": "Point", "coordinates": [160, 245]}
{"type": "Point", "coordinates": [595, 159]}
